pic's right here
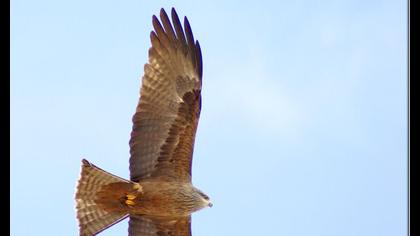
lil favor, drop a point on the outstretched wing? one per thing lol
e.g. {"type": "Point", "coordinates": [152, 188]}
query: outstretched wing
{"type": "Point", "coordinates": [143, 226]}
{"type": "Point", "coordinates": [166, 118]}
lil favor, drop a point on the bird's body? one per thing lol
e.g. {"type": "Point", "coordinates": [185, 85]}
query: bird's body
{"type": "Point", "coordinates": [159, 197]}
{"type": "Point", "coordinates": [153, 198]}
{"type": "Point", "coordinates": [167, 199]}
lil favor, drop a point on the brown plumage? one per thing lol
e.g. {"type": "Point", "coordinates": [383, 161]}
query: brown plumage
{"type": "Point", "coordinates": [159, 197]}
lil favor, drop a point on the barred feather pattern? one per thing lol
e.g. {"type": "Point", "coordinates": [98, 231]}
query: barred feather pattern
{"type": "Point", "coordinates": [139, 225]}
{"type": "Point", "coordinates": [92, 218]}
{"type": "Point", "coordinates": [166, 118]}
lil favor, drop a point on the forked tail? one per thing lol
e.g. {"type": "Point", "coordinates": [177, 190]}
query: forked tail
{"type": "Point", "coordinates": [93, 218]}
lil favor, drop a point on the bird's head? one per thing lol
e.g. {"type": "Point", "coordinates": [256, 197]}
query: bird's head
{"type": "Point", "coordinates": [203, 199]}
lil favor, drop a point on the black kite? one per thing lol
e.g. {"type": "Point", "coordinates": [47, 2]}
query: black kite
{"type": "Point", "coordinates": [159, 197]}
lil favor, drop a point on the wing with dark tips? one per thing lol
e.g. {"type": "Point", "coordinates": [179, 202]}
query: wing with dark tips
{"type": "Point", "coordinates": [166, 118]}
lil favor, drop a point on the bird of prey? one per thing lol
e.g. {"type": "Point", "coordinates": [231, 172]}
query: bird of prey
{"type": "Point", "coordinates": [159, 198]}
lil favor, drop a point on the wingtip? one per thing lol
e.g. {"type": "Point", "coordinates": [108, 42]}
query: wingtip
{"type": "Point", "coordinates": [85, 162]}
{"type": "Point", "coordinates": [153, 36]}
{"type": "Point", "coordinates": [162, 12]}
{"type": "Point", "coordinates": [188, 31]}
{"type": "Point", "coordinates": [174, 14]}
{"type": "Point", "coordinates": [187, 25]}
{"type": "Point", "coordinates": [154, 18]}
{"type": "Point", "coordinates": [199, 59]}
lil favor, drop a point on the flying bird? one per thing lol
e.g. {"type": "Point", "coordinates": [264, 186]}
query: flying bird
{"type": "Point", "coordinates": [159, 198]}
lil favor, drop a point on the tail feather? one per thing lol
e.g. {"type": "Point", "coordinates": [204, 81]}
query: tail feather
{"type": "Point", "coordinates": [92, 218]}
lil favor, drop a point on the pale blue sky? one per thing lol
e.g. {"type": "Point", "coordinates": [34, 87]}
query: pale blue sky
{"type": "Point", "coordinates": [303, 123]}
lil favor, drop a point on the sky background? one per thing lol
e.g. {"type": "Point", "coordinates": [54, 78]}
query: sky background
{"type": "Point", "coordinates": [303, 128]}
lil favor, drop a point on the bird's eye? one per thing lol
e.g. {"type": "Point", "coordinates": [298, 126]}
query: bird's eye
{"type": "Point", "coordinates": [204, 196]}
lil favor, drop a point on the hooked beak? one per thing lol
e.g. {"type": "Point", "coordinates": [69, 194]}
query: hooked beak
{"type": "Point", "coordinates": [210, 204]}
